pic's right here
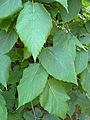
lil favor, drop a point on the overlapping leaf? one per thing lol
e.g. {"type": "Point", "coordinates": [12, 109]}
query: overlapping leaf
{"type": "Point", "coordinates": [7, 41]}
{"type": "Point", "coordinates": [88, 26]}
{"type": "Point", "coordinates": [73, 10]}
{"type": "Point", "coordinates": [54, 98]}
{"type": "Point", "coordinates": [66, 41]}
{"type": "Point", "coordinates": [3, 109]}
{"type": "Point", "coordinates": [66, 59]}
{"type": "Point", "coordinates": [33, 26]}
{"type": "Point", "coordinates": [5, 63]}
{"type": "Point", "coordinates": [64, 3]}
{"type": "Point", "coordinates": [5, 24]}
{"type": "Point", "coordinates": [50, 117]}
{"type": "Point", "coordinates": [59, 63]}
{"type": "Point", "coordinates": [85, 40]}
{"type": "Point", "coordinates": [81, 61]}
{"type": "Point", "coordinates": [85, 78]}
{"type": "Point", "coordinates": [9, 8]}
{"type": "Point", "coordinates": [32, 83]}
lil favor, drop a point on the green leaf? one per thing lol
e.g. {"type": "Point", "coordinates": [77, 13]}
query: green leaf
{"type": "Point", "coordinates": [46, 1]}
{"type": "Point", "coordinates": [28, 115]}
{"type": "Point", "coordinates": [89, 54]}
{"type": "Point", "coordinates": [59, 63]}
{"type": "Point", "coordinates": [5, 24]}
{"type": "Point", "coordinates": [26, 54]}
{"type": "Point", "coordinates": [75, 28]}
{"type": "Point", "coordinates": [73, 10]}
{"type": "Point", "coordinates": [85, 40]}
{"type": "Point", "coordinates": [15, 74]}
{"type": "Point", "coordinates": [54, 98]}
{"type": "Point", "coordinates": [50, 117]}
{"type": "Point", "coordinates": [88, 26]}
{"type": "Point", "coordinates": [84, 103]}
{"type": "Point", "coordinates": [81, 99]}
{"type": "Point", "coordinates": [72, 102]}
{"type": "Point", "coordinates": [38, 113]}
{"type": "Point", "coordinates": [53, 12]}
{"type": "Point", "coordinates": [78, 43]}
{"type": "Point", "coordinates": [16, 54]}
{"type": "Point", "coordinates": [9, 96]}
{"type": "Point", "coordinates": [65, 40]}
{"type": "Point", "coordinates": [7, 41]}
{"type": "Point", "coordinates": [32, 83]}
{"type": "Point", "coordinates": [5, 63]}
{"type": "Point", "coordinates": [9, 8]}
{"type": "Point", "coordinates": [83, 31]}
{"type": "Point", "coordinates": [15, 116]}
{"type": "Point", "coordinates": [81, 61]}
{"type": "Point", "coordinates": [33, 26]}
{"type": "Point", "coordinates": [82, 117]}
{"type": "Point", "coordinates": [64, 3]}
{"type": "Point", "coordinates": [3, 110]}
{"type": "Point", "coordinates": [85, 77]}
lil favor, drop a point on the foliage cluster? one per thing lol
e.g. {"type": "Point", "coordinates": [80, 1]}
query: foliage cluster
{"type": "Point", "coordinates": [44, 59]}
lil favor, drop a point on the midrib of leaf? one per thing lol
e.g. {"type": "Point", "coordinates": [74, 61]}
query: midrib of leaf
{"type": "Point", "coordinates": [35, 74]}
{"type": "Point", "coordinates": [32, 80]}
{"type": "Point", "coordinates": [33, 19]}
{"type": "Point", "coordinates": [6, 36]}
{"type": "Point", "coordinates": [52, 92]}
{"type": "Point", "coordinates": [32, 26]}
{"type": "Point", "coordinates": [55, 56]}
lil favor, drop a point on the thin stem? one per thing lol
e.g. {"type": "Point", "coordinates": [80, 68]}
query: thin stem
{"type": "Point", "coordinates": [33, 111]}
